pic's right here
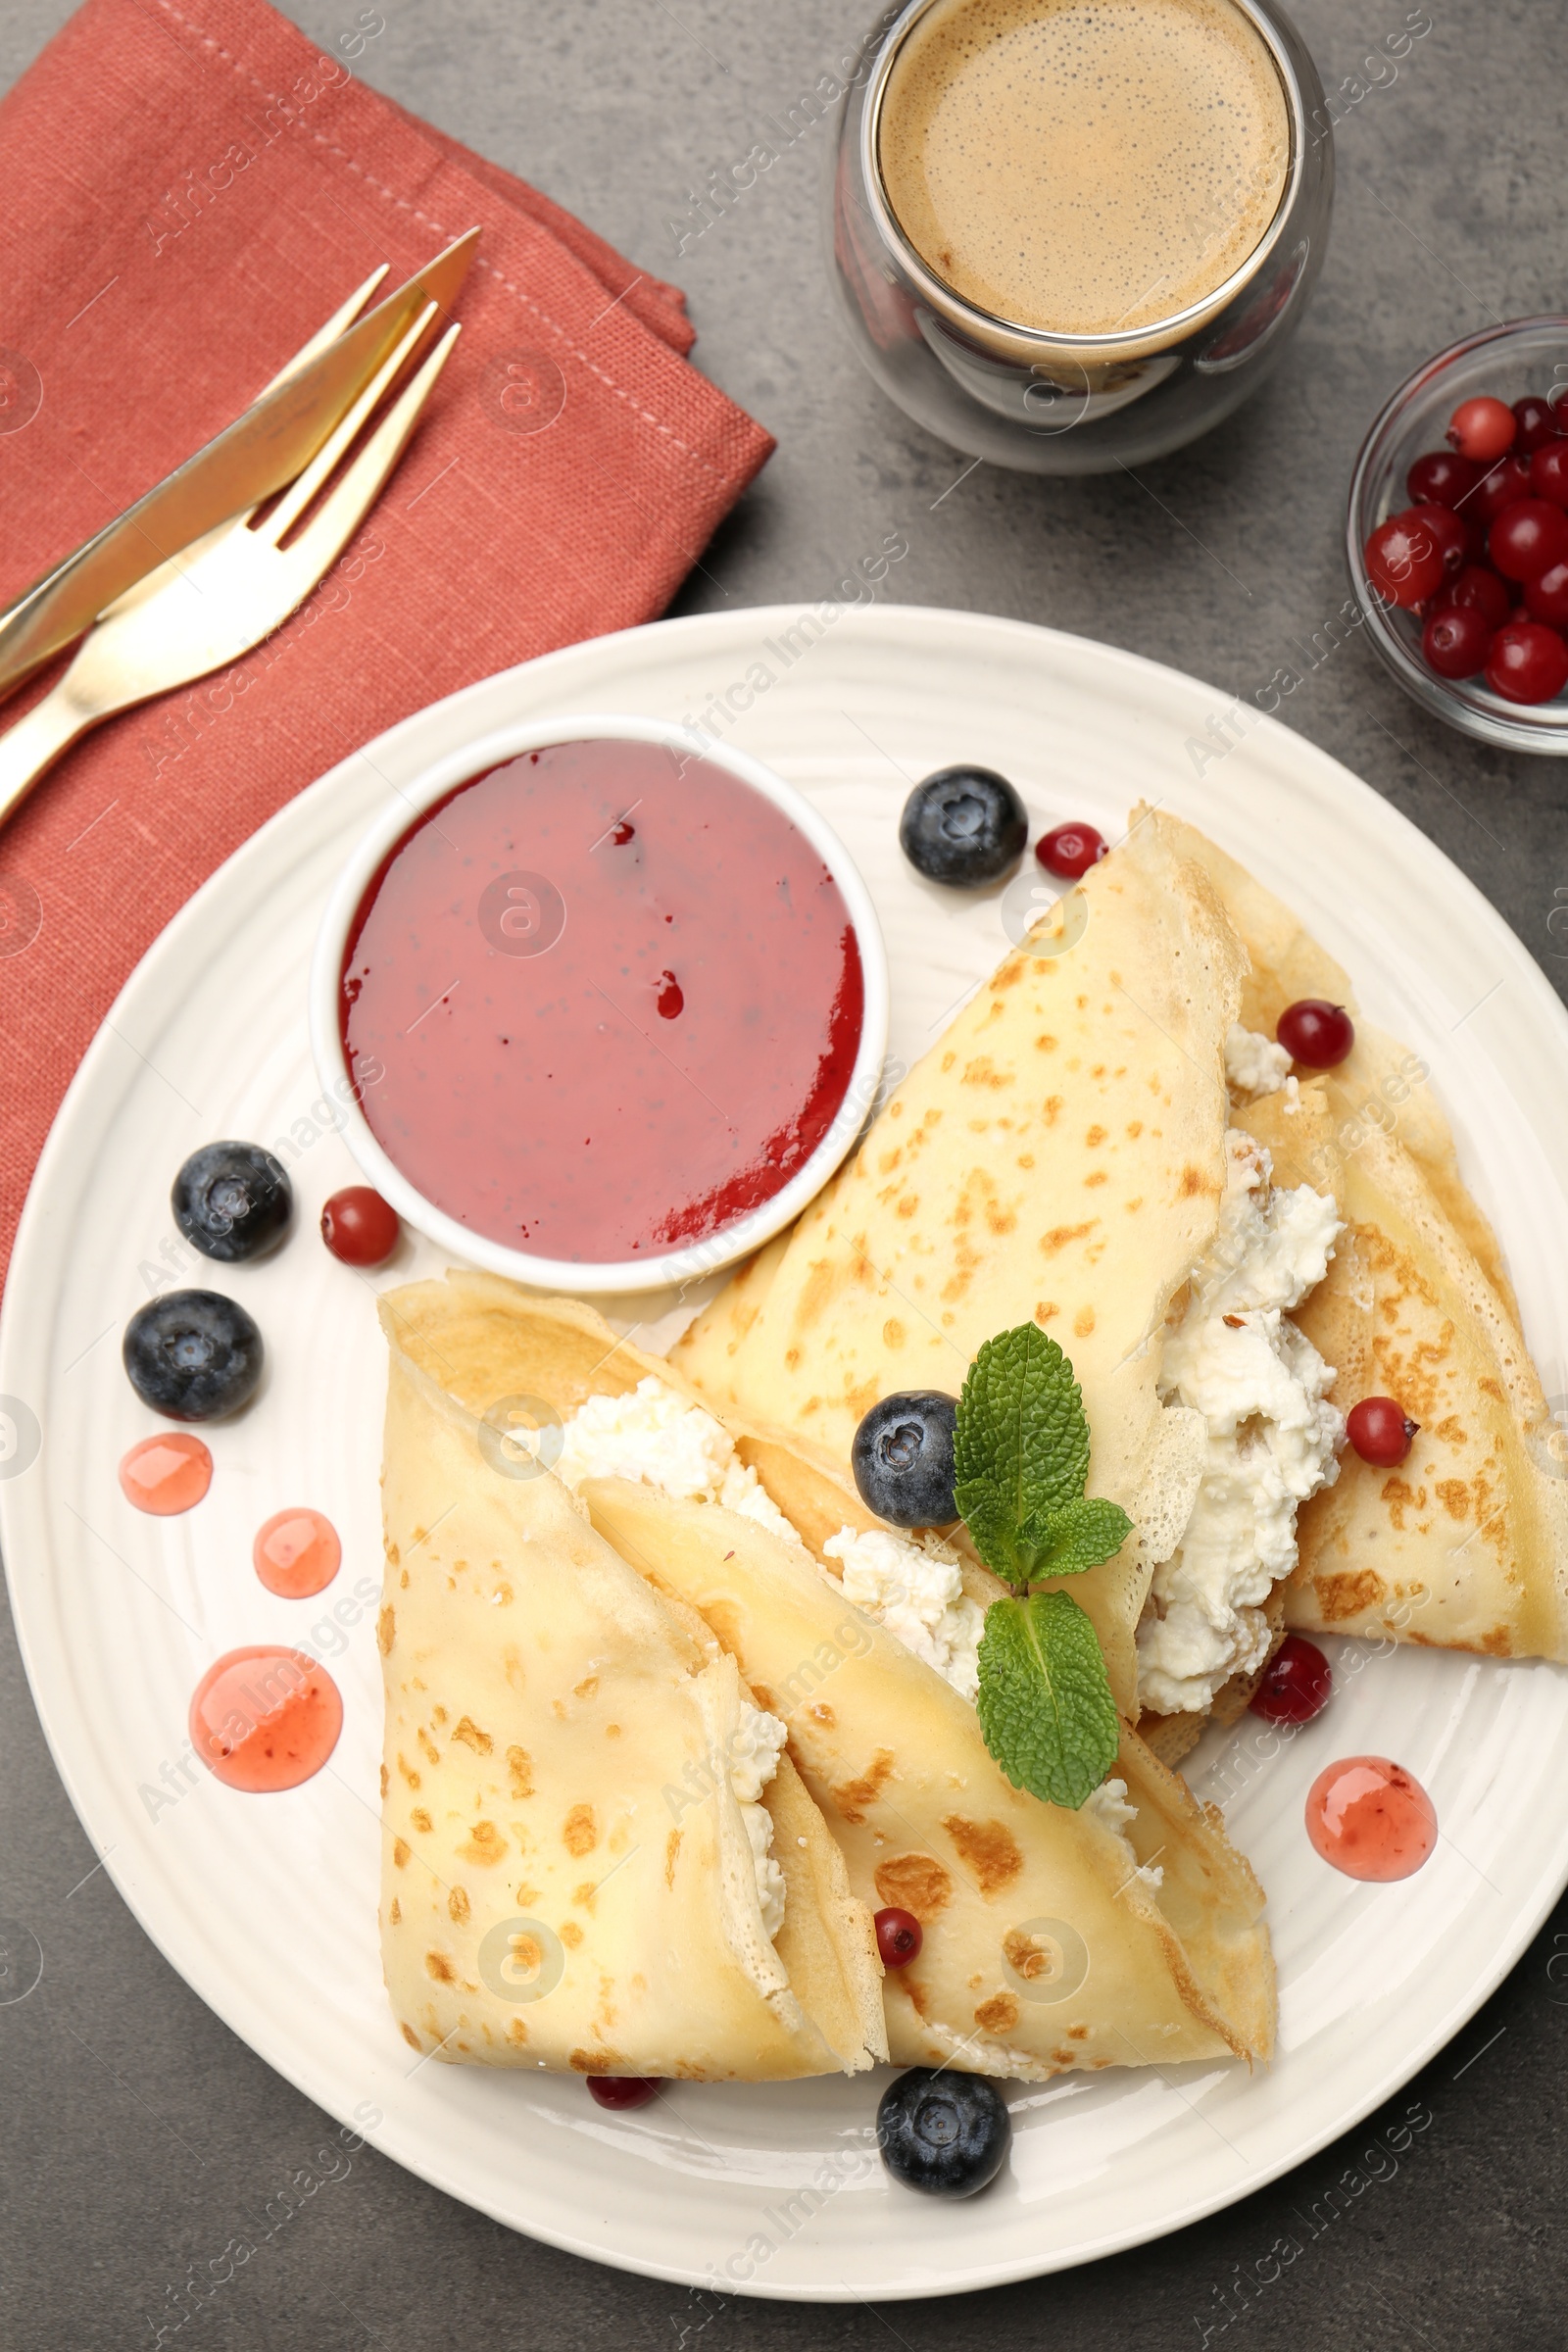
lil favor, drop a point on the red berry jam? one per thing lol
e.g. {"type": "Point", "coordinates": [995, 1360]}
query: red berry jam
{"type": "Point", "coordinates": [623, 2091]}
{"type": "Point", "coordinates": [1315, 1033]}
{"type": "Point", "coordinates": [359, 1227]}
{"type": "Point", "coordinates": [1070, 850]}
{"type": "Point", "coordinates": [1295, 1683]}
{"type": "Point", "coordinates": [264, 1719]}
{"type": "Point", "coordinates": [899, 1938]}
{"type": "Point", "coordinates": [166, 1475]}
{"type": "Point", "coordinates": [297, 1553]}
{"type": "Point", "coordinates": [1381, 1430]}
{"type": "Point", "coordinates": [1371, 1819]}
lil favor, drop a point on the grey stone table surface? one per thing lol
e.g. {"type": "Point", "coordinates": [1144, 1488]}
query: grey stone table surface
{"type": "Point", "coordinates": [123, 2165]}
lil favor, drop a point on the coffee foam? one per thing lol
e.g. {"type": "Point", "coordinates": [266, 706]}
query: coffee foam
{"type": "Point", "coordinates": [1083, 166]}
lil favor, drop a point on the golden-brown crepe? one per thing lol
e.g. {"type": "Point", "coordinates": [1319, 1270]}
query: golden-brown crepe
{"type": "Point", "coordinates": [1045, 1948]}
{"type": "Point", "coordinates": [1059, 1154]}
{"type": "Point", "coordinates": [1049, 1943]}
{"type": "Point", "coordinates": [1465, 1545]}
{"type": "Point", "coordinates": [568, 1879]}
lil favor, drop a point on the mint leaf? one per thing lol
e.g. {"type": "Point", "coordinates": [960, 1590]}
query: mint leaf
{"type": "Point", "coordinates": [1021, 1445]}
{"type": "Point", "coordinates": [1079, 1536]}
{"type": "Point", "coordinates": [1044, 1701]}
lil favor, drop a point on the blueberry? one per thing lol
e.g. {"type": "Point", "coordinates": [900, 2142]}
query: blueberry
{"type": "Point", "coordinates": [192, 1356]}
{"type": "Point", "coordinates": [901, 1456]}
{"type": "Point", "coordinates": [944, 2133]}
{"type": "Point", "coordinates": [232, 1201]}
{"type": "Point", "coordinates": [963, 826]}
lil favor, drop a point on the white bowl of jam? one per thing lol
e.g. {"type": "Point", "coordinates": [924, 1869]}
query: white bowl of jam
{"type": "Point", "coordinates": [612, 1009]}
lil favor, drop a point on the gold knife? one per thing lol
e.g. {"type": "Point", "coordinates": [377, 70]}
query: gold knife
{"type": "Point", "coordinates": [259, 453]}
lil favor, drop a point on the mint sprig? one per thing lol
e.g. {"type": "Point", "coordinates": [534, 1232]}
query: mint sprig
{"type": "Point", "coordinates": [1044, 1701]}
{"type": "Point", "coordinates": [1022, 1457]}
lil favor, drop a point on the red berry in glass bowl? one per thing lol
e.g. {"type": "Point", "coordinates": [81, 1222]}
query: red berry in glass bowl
{"type": "Point", "coordinates": [623, 2091]}
{"type": "Point", "coordinates": [1482, 428]}
{"type": "Point", "coordinates": [1507, 481]}
{"type": "Point", "coordinates": [1381, 1430]}
{"type": "Point", "coordinates": [1538, 423]}
{"type": "Point", "coordinates": [1070, 850]}
{"type": "Point", "coordinates": [1449, 535]}
{"type": "Point", "coordinates": [1528, 538]}
{"type": "Point", "coordinates": [1528, 662]}
{"type": "Point", "coordinates": [1548, 473]}
{"type": "Point", "coordinates": [899, 1938]}
{"type": "Point", "coordinates": [1441, 478]}
{"type": "Point", "coordinates": [1402, 561]}
{"type": "Point", "coordinates": [1480, 588]}
{"type": "Point", "coordinates": [1315, 1033]}
{"type": "Point", "coordinates": [1546, 599]}
{"type": "Point", "coordinates": [1295, 1683]}
{"type": "Point", "coordinates": [1454, 641]}
{"type": "Point", "coordinates": [359, 1227]}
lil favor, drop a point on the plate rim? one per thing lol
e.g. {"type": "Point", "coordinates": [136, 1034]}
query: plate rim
{"type": "Point", "coordinates": [227, 1998]}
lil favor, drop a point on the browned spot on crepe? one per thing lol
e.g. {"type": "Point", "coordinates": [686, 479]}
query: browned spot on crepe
{"type": "Point", "coordinates": [854, 1798]}
{"type": "Point", "coordinates": [579, 1831]}
{"type": "Point", "coordinates": [915, 1882]}
{"type": "Point", "coordinates": [672, 1855]}
{"type": "Point", "coordinates": [457, 1906]}
{"type": "Point", "coordinates": [987, 1849]}
{"type": "Point", "coordinates": [385, 1631]}
{"type": "Point", "coordinates": [437, 1965]}
{"type": "Point", "coordinates": [484, 1844]}
{"type": "Point", "coordinates": [998, 2015]}
{"type": "Point", "coordinates": [421, 1821]}
{"type": "Point", "coordinates": [400, 1853]}
{"type": "Point", "coordinates": [468, 1732]}
{"type": "Point", "coordinates": [520, 1766]}
{"type": "Point", "coordinates": [1343, 1596]}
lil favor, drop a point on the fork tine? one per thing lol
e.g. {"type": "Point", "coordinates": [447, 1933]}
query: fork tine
{"type": "Point", "coordinates": [331, 529]}
{"type": "Point", "coordinates": [299, 493]}
{"type": "Point", "coordinates": [329, 333]}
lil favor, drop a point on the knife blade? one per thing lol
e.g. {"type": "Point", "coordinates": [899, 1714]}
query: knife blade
{"type": "Point", "coordinates": [260, 452]}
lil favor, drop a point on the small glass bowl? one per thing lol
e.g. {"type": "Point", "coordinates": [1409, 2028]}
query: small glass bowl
{"type": "Point", "coordinates": [1525, 355]}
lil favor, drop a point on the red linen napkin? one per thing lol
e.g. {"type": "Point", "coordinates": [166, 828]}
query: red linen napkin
{"type": "Point", "coordinates": [191, 187]}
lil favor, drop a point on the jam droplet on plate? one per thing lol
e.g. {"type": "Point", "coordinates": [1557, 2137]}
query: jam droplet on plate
{"type": "Point", "coordinates": [165, 1474]}
{"type": "Point", "coordinates": [297, 1553]}
{"type": "Point", "coordinates": [1371, 1818]}
{"type": "Point", "coordinates": [264, 1719]}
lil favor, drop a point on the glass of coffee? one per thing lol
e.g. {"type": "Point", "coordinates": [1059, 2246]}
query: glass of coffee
{"type": "Point", "coordinates": [1072, 234]}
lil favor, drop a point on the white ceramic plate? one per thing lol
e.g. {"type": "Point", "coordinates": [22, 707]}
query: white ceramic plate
{"type": "Point", "coordinates": [268, 1904]}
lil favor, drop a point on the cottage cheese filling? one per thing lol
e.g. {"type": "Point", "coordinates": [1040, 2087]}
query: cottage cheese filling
{"type": "Point", "coordinates": [1107, 1805]}
{"type": "Point", "coordinates": [916, 1589]}
{"type": "Point", "coordinates": [755, 1749]}
{"type": "Point", "coordinates": [1253, 1063]}
{"type": "Point", "coordinates": [650, 1435]}
{"type": "Point", "coordinates": [1273, 1438]}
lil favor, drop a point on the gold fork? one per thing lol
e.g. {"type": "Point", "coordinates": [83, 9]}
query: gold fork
{"type": "Point", "coordinates": [215, 600]}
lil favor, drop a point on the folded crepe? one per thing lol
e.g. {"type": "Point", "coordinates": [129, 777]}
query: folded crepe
{"type": "Point", "coordinates": [1127, 1934]}
{"type": "Point", "coordinates": [583, 1855]}
{"type": "Point", "coordinates": [1465, 1545]}
{"type": "Point", "coordinates": [1069, 1151]}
